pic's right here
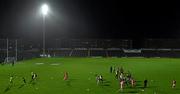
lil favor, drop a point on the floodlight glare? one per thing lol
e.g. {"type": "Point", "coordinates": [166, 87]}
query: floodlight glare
{"type": "Point", "coordinates": [44, 9]}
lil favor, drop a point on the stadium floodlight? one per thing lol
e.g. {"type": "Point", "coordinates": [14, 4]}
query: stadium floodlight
{"type": "Point", "coordinates": [44, 9]}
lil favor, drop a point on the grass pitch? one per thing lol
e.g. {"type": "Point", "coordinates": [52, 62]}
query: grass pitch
{"type": "Point", "coordinates": [159, 72]}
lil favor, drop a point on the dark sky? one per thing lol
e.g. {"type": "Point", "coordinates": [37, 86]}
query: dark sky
{"type": "Point", "coordinates": [115, 19]}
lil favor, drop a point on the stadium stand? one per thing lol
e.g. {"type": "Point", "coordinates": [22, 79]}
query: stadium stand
{"type": "Point", "coordinates": [98, 52]}
{"type": "Point", "coordinates": [161, 53]}
{"type": "Point", "coordinates": [61, 52]}
{"type": "Point", "coordinates": [149, 52]}
{"type": "Point", "coordinates": [80, 52]}
{"type": "Point", "coordinates": [132, 52]}
{"type": "Point", "coordinates": [90, 48]}
{"type": "Point", "coordinates": [176, 53]}
{"type": "Point", "coordinates": [115, 52]}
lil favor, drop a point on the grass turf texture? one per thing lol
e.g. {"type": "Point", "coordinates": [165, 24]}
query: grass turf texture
{"type": "Point", "coordinates": [159, 72]}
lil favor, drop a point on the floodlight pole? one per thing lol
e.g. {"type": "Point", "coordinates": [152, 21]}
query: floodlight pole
{"type": "Point", "coordinates": [7, 53]}
{"type": "Point", "coordinates": [16, 50]}
{"type": "Point", "coordinates": [44, 10]}
{"type": "Point", "coordinates": [44, 37]}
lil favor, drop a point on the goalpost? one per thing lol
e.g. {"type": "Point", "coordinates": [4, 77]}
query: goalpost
{"type": "Point", "coordinates": [13, 57]}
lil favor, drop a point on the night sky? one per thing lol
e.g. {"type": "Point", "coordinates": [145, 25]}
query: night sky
{"type": "Point", "coordinates": [106, 19]}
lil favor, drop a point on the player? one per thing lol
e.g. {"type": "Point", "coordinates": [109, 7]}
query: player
{"type": "Point", "coordinates": [129, 75]}
{"type": "Point", "coordinates": [173, 83]}
{"type": "Point", "coordinates": [97, 79]}
{"type": "Point", "coordinates": [34, 76]}
{"type": "Point", "coordinates": [121, 76]}
{"type": "Point", "coordinates": [65, 76]}
{"type": "Point", "coordinates": [121, 70]}
{"type": "Point", "coordinates": [13, 62]}
{"type": "Point", "coordinates": [145, 83]}
{"type": "Point", "coordinates": [101, 78]}
{"type": "Point", "coordinates": [32, 73]}
{"type": "Point", "coordinates": [114, 69]}
{"type": "Point", "coordinates": [121, 84]}
{"type": "Point", "coordinates": [111, 69]}
{"type": "Point", "coordinates": [117, 74]}
{"type": "Point", "coordinates": [133, 82]}
{"type": "Point", "coordinates": [24, 80]}
{"type": "Point", "coordinates": [11, 80]}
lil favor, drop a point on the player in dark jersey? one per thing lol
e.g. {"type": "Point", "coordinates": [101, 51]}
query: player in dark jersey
{"type": "Point", "coordinates": [24, 80]}
{"type": "Point", "coordinates": [145, 83]}
{"type": "Point", "coordinates": [111, 69]}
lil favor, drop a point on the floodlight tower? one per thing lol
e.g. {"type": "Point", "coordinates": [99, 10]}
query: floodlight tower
{"type": "Point", "coordinates": [44, 11]}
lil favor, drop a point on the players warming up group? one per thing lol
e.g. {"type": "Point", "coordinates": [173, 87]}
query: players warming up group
{"type": "Point", "coordinates": [125, 78]}
{"type": "Point", "coordinates": [122, 77]}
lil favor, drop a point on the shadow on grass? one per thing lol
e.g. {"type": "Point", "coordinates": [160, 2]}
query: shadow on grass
{"type": "Point", "coordinates": [142, 87]}
{"type": "Point", "coordinates": [128, 92]}
{"type": "Point", "coordinates": [33, 83]}
{"type": "Point", "coordinates": [139, 81]}
{"type": "Point", "coordinates": [106, 83]}
{"type": "Point", "coordinates": [21, 86]}
{"type": "Point", "coordinates": [7, 89]}
{"type": "Point", "coordinates": [135, 91]}
{"type": "Point", "coordinates": [138, 85]}
{"type": "Point", "coordinates": [68, 82]}
{"type": "Point", "coordinates": [176, 89]}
